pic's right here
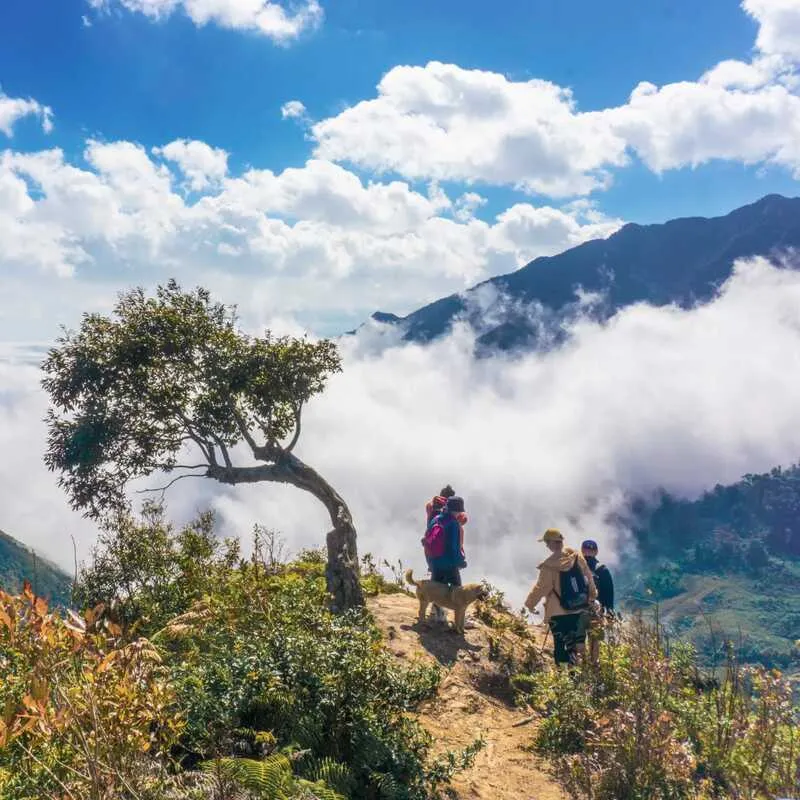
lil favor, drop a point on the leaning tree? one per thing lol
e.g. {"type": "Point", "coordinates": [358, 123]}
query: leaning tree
{"type": "Point", "coordinates": [170, 384]}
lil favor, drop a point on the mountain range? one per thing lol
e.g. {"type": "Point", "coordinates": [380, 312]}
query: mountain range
{"type": "Point", "coordinates": [682, 261]}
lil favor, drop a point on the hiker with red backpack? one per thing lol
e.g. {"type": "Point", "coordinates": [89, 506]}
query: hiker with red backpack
{"type": "Point", "coordinates": [444, 546]}
{"type": "Point", "coordinates": [433, 508]}
{"type": "Point", "coordinates": [568, 589]}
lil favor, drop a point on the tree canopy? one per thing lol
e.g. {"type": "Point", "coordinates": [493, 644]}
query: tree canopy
{"type": "Point", "coordinates": [171, 384]}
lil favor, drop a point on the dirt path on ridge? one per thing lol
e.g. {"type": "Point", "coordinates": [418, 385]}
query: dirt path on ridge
{"type": "Point", "coordinates": [473, 699]}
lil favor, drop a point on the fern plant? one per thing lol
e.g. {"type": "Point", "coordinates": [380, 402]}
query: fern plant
{"type": "Point", "coordinates": [270, 779]}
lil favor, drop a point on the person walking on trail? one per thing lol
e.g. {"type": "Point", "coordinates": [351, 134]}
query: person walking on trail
{"type": "Point", "coordinates": [566, 585]}
{"type": "Point", "coordinates": [604, 608]}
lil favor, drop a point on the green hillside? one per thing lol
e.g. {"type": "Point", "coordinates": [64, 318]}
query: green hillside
{"type": "Point", "coordinates": [725, 568]}
{"type": "Point", "coordinates": [18, 563]}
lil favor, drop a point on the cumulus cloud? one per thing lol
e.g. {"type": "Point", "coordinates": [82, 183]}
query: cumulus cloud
{"type": "Point", "coordinates": [316, 239]}
{"type": "Point", "coordinates": [656, 397]}
{"type": "Point", "coordinates": [293, 109]}
{"type": "Point", "coordinates": [442, 121]}
{"type": "Point", "coordinates": [445, 122]}
{"type": "Point", "coordinates": [13, 109]}
{"type": "Point", "coordinates": [779, 26]}
{"type": "Point", "coordinates": [271, 19]}
{"type": "Point", "coordinates": [201, 164]}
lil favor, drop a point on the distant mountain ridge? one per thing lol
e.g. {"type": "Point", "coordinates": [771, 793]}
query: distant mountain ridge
{"type": "Point", "coordinates": [682, 261]}
{"type": "Point", "coordinates": [18, 563]}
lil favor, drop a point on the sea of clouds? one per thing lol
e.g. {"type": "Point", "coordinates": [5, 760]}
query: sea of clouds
{"type": "Point", "coordinates": [653, 398]}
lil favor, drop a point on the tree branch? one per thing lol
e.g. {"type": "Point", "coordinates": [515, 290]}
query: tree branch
{"type": "Point", "coordinates": [298, 411]}
{"type": "Point", "coordinates": [163, 489]}
{"type": "Point", "coordinates": [223, 449]}
{"type": "Point", "coordinates": [241, 424]}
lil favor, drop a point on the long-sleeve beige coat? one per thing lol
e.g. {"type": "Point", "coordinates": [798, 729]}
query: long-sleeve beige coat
{"type": "Point", "coordinates": [547, 585]}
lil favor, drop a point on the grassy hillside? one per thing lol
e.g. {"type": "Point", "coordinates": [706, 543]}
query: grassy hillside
{"type": "Point", "coordinates": [726, 567]}
{"type": "Point", "coordinates": [18, 563]}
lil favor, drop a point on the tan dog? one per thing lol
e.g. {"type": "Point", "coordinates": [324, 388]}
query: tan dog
{"type": "Point", "coordinates": [456, 598]}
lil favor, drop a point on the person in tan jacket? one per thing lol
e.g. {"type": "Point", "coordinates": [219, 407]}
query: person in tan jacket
{"type": "Point", "coordinates": [566, 585]}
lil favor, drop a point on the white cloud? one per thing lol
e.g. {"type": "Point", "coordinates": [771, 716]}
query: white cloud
{"type": "Point", "coordinates": [201, 164]}
{"type": "Point", "coordinates": [441, 121]}
{"type": "Point", "coordinates": [271, 19]}
{"type": "Point", "coordinates": [13, 109]}
{"type": "Point", "coordinates": [687, 124]}
{"type": "Point", "coordinates": [315, 240]}
{"type": "Point", "coordinates": [293, 109]}
{"type": "Point", "coordinates": [779, 26]}
{"type": "Point", "coordinates": [444, 122]}
{"type": "Point", "coordinates": [656, 397]}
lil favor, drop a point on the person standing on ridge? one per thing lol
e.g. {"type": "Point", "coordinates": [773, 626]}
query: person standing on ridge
{"type": "Point", "coordinates": [566, 585]}
{"type": "Point", "coordinates": [433, 508]}
{"type": "Point", "coordinates": [443, 544]}
{"type": "Point", "coordinates": [605, 598]}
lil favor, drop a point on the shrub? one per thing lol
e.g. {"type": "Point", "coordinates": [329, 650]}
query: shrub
{"type": "Point", "coordinates": [647, 724]}
{"type": "Point", "coordinates": [85, 715]}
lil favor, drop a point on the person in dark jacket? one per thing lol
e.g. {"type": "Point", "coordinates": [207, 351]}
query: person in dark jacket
{"type": "Point", "coordinates": [447, 567]}
{"type": "Point", "coordinates": [605, 598]}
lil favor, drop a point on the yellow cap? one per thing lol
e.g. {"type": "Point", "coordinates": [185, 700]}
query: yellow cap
{"type": "Point", "coordinates": [552, 535]}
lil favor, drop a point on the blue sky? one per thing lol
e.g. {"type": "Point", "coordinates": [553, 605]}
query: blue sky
{"type": "Point", "coordinates": [111, 73]}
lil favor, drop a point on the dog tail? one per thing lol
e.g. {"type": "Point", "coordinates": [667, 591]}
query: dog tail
{"type": "Point", "coordinates": [409, 576]}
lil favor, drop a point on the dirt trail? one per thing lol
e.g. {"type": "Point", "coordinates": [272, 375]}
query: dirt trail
{"type": "Point", "coordinates": [473, 699]}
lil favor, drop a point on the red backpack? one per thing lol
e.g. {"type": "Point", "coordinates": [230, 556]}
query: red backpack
{"type": "Point", "coordinates": [435, 539]}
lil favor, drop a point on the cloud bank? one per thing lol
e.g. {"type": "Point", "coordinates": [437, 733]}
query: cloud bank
{"type": "Point", "coordinates": [656, 397]}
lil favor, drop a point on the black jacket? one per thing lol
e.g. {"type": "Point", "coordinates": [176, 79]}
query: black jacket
{"type": "Point", "coordinates": [604, 583]}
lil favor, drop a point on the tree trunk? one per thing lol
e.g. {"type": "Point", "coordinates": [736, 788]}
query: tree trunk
{"type": "Point", "coordinates": [341, 571]}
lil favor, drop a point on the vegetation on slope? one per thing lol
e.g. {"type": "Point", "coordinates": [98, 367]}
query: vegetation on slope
{"type": "Point", "coordinates": [726, 567]}
{"type": "Point", "coordinates": [190, 656]}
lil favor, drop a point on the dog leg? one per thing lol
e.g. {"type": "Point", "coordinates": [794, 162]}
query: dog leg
{"type": "Point", "coordinates": [423, 607]}
{"type": "Point", "coordinates": [460, 613]}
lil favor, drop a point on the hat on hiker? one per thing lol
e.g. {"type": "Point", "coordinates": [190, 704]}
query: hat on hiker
{"type": "Point", "coordinates": [448, 491]}
{"type": "Point", "coordinates": [455, 504]}
{"type": "Point", "coordinates": [589, 544]}
{"type": "Point", "coordinates": [551, 535]}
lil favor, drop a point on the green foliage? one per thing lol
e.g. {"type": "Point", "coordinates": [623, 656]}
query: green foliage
{"type": "Point", "coordinates": [721, 524]}
{"type": "Point", "coordinates": [374, 581]}
{"type": "Point", "coordinates": [665, 581]}
{"type": "Point", "coordinates": [131, 391]}
{"type": "Point", "coordinates": [270, 779]}
{"type": "Point", "coordinates": [148, 572]}
{"type": "Point", "coordinates": [648, 725]}
{"type": "Point", "coordinates": [265, 654]}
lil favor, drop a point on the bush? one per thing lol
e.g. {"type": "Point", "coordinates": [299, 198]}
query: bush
{"type": "Point", "coordinates": [262, 671]}
{"type": "Point", "coordinates": [264, 654]}
{"type": "Point", "coordinates": [85, 715]}
{"type": "Point", "coordinates": [648, 725]}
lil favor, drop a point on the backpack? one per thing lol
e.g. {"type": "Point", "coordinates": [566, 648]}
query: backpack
{"type": "Point", "coordinates": [574, 589]}
{"type": "Point", "coordinates": [435, 539]}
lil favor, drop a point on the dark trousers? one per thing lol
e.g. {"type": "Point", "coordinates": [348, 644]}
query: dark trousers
{"type": "Point", "coordinates": [569, 631]}
{"type": "Point", "coordinates": [452, 576]}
